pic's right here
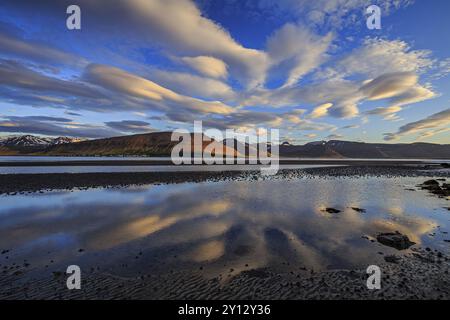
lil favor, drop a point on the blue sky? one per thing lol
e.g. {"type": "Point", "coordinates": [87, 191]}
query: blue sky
{"type": "Point", "coordinates": [310, 68]}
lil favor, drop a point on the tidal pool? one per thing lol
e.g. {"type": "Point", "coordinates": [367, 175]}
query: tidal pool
{"type": "Point", "coordinates": [218, 226]}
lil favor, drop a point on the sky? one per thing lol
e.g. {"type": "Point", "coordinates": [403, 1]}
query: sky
{"type": "Point", "coordinates": [311, 68]}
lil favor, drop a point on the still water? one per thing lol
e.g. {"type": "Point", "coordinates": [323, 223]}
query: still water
{"type": "Point", "coordinates": [279, 224]}
{"type": "Point", "coordinates": [158, 168]}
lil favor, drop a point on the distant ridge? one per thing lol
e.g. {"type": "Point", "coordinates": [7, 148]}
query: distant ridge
{"type": "Point", "coordinates": [349, 149]}
{"type": "Point", "coordinates": [160, 144]}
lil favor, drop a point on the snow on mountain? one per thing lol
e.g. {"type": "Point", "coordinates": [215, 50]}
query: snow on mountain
{"type": "Point", "coordinates": [316, 143]}
{"type": "Point", "coordinates": [63, 140]}
{"type": "Point", "coordinates": [34, 141]}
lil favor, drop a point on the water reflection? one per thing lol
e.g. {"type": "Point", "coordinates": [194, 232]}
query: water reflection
{"type": "Point", "coordinates": [218, 226]}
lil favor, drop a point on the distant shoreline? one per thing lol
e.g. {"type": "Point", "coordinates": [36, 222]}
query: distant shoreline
{"type": "Point", "coordinates": [147, 162]}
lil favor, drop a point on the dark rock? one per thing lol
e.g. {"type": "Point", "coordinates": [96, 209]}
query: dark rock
{"type": "Point", "coordinates": [431, 182]}
{"type": "Point", "coordinates": [431, 187]}
{"type": "Point", "coordinates": [392, 259]}
{"type": "Point", "coordinates": [332, 210]}
{"type": "Point", "coordinates": [57, 274]}
{"type": "Point", "coordinates": [441, 192]}
{"type": "Point", "coordinates": [359, 209]}
{"type": "Point", "coordinates": [424, 258]}
{"type": "Point", "coordinates": [395, 240]}
{"type": "Point", "coordinates": [256, 273]}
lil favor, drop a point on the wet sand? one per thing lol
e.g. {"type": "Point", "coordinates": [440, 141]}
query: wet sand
{"type": "Point", "coordinates": [421, 274]}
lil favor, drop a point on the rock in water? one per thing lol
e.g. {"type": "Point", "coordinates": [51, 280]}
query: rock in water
{"type": "Point", "coordinates": [395, 240]}
{"type": "Point", "coordinates": [331, 210]}
{"type": "Point", "coordinates": [431, 182]}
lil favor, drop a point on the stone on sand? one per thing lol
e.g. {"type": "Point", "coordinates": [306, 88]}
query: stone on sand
{"type": "Point", "coordinates": [395, 240]}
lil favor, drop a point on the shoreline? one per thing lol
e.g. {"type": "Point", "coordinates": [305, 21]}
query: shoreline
{"type": "Point", "coordinates": [283, 161]}
{"type": "Point", "coordinates": [21, 183]}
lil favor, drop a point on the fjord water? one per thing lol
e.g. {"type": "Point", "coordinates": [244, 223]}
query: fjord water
{"type": "Point", "coordinates": [215, 226]}
{"type": "Point", "coordinates": [102, 166]}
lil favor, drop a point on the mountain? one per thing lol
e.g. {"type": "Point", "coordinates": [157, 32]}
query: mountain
{"type": "Point", "coordinates": [63, 140]}
{"type": "Point", "coordinates": [350, 149]}
{"type": "Point", "coordinates": [25, 141]}
{"type": "Point", "coordinates": [148, 144]}
{"type": "Point", "coordinates": [241, 147]}
{"type": "Point", "coordinates": [160, 144]}
{"type": "Point", "coordinates": [309, 150]}
{"type": "Point", "coordinates": [28, 144]}
{"type": "Point", "coordinates": [34, 141]}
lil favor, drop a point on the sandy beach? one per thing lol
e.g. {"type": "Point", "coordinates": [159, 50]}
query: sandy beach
{"type": "Point", "coordinates": [420, 275]}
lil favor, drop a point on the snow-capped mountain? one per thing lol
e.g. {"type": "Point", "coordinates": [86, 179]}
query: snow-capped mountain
{"type": "Point", "coordinates": [63, 140]}
{"type": "Point", "coordinates": [34, 141]}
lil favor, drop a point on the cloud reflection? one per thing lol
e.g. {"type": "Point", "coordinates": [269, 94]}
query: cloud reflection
{"type": "Point", "coordinates": [240, 224]}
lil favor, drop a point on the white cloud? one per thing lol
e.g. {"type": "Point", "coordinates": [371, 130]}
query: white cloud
{"type": "Point", "coordinates": [124, 82]}
{"type": "Point", "coordinates": [384, 111]}
{"type": "Point", "coordinates": [351, 126]}
{"type": "Point", "coordinates": [132, 126]}
{"type": "Point", "coordinates": [415, 94]}
{"type": "Point", "coordinates": [401, 89]}
{"type": "Point", "coordinates": [332, 13]}
{"type": "Point", "coordinates": [11, 45]}
{"type": "Point", "coordinates": [389, 85]}
{"type": "Point", "coordinates": [175, 27]}
{"type": "Point", "coordinates": [443, 69]}
{"type": "Point", "coordinates": [377, 56]}
{"type": "Point", "coordinates": [428, 126]}
{"type": "Point", "coordinates": [298, 50]}
{"type": "Point", "coordinates": [193, 85]}
{"type": "Point", "coordinates": [179, 26]}
{"type": "Point", "coordinates": [207, 66]}
{"type": "Point", "coordinates": [334, 136]}
{"type": "Point", "coordinates": [320, 111]}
